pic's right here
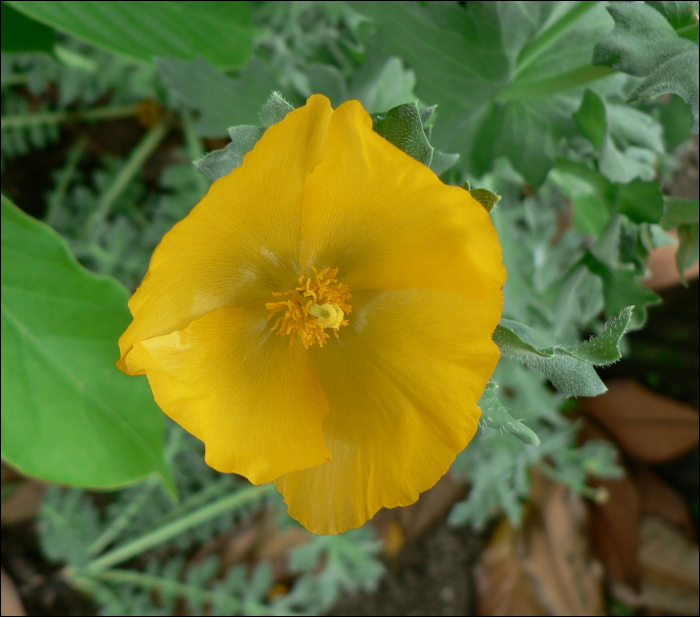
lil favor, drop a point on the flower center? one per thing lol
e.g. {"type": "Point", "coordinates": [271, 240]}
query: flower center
{"type": "Point", "coordinates": [317, 303]}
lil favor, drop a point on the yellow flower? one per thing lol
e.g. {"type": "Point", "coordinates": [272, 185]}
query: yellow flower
{"type": "Point", "coordinates": [323, 319]}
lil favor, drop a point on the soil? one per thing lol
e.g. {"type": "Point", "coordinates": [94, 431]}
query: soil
{"type": "Point", "coordinates": [430, 576]}
{"type": "Point", "coordinates": [38, 581]}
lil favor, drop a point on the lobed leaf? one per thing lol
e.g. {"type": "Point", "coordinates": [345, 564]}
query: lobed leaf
{"type": "Point", "coordinates": [495, 415]}
{"type": "Point", "coordinates": [219, 163]}
{"type": "Point", "coordinates": [220, 100]}
{"type": "Point", "coordinates": [658, 41]}
{"type": "Point", "coordinates": [506, 74]}
{"type": "Point", "coordinates": [569, 369]}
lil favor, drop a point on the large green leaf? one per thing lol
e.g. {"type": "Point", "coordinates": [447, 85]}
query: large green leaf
{"type": "Point", "coordinates": [20, 33]}
{"type": "Point", "coordinates": [219, 31]}
{"type": "Point", "coordinates": [68, 414]}
{"type": "Point", "coordinates": [658, 41]}
{"type": "Point", "coordinates": [220, 101]}
{"type": "Point", "coordinates": [504, 74]}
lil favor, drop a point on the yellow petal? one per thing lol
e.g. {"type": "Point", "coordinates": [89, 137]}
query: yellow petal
{"type": "Point", "coordinates": [242, 240]}
{"type": "Point", "coordinates": [254, 400]}
{"type": "Point", "coordinates": [402, 383]}
{"type": "Point", "coordinates": [388, 222]}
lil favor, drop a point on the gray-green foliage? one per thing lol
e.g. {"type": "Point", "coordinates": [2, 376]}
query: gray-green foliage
{"type": "Point", "coordinates": [570, 369]}
{"type": "Point", "coordinates": [503, 73]}
{"type": "Point", "coordinates": [218, 163]}
{"type": "Point", "coordinates": [82, 75]}
{"type": "Point", "coordinates": [657, 41]}
{"type": "Point", "coordinates": [75, 531]}
{"type": "Point", "coordinates": [683, 214]}
{"type": "Point", "coordinates": [513, 90]}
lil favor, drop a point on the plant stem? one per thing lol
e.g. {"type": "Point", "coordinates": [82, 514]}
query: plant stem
{"type": "Point", "coordinates": [545, 39]}
{"type": "Point", "coordinates": [167, 532]}
{"type": "Point", "coordinates": [87, 115]}
{"type": "Point", "coordinates": [150, 582]}
{"type": "Point", "coordinates": [194, 148]}
{"type": "Point", "coordinates": [118, 525]}
{"type": "Point", "coordinates": [56, 197]}
{"type": "Point", "coordinates": [132, 166]}
{"type": "Point", "coordinates": [100, 592]}
{"type": "Point", "coordinates": [203, 496]}
{"type": "Point", "coordinates": [519, 91]}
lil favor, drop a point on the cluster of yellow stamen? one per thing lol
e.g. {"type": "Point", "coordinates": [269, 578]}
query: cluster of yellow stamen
{"type": "Point", "coordinates": [317, 303]}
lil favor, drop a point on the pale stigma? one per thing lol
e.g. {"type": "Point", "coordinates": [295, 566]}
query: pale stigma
{"type": "Point", "coordinates": [317, 303]}
{"type": "Point", "coordinates": [328, 316]}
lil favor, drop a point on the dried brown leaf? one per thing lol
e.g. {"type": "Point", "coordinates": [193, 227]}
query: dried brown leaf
{"type": "Point", "coordinates": [614, 530]}
{"type": "Point", "coordinates": [669, 571]}
{"type": "Point", "coordinates": [10, 601]}
{"type": "Point", "coordinates": [546, 567]}
{"type": "Point", "coordinates": [649, 427]}
{"type": "Point", "coordinates": [23, 502]}
{"type": "Point", "coordinates": [659, 498]}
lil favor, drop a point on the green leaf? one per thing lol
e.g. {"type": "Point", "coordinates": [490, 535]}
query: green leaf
{"type": "Point", "coordinates": [658, 41]}
{"type": "Point", "coordinates": [621, 288]}
{"type": "Point", "coordinates": [382, 85]}
{"type": "Point", "coordinates": [403, 127]}
{"type": "Point", "coordinates": [485, 198]}
{"type": "Point", "coordinates": [350, 562]}
{"type": "Point", "coordinates": [679, 212]}
{"type": "Point", "coordinates": [605, 348]}
{"type": "Point", "coordinates": [20, 33]}
{"type": "Point", "coordinates": [272, 112]}
{"type": "Point", "coordinates": [69, 415]}
{"type": "Point", "coordinates": [69, 523]}
{"type": "Point", "coordinates": [495, 415]}
{"type": "Point", "coordinates": [595, 198]}
{"type": "Point", "coordinates": [683, 214]}
{"type": "Point", "coordinates": [688, 247]}
{"type": "Point", "coordinates": [442, 161]}
{"type": "Point", "coordinates": [219, 31]}
{"type": "Point", "coordinates": [219, 163]}
{"type": "Point", "coordinates": [626, 139]}
{"type": "Point", "coordinates": [590, 119]}
{"type": "Point", "coordinates": [675, 118]}
{"type": "Point", "coordinates": [570, 369]}
{"type": "Point", "coordinates": [506, 75]}
{"type": "Point", "coordinates": [640, 201]}
{"type": "Point", "coordinates": [222, 162]}
{"type": "Point", "coordinates": [220, 101]}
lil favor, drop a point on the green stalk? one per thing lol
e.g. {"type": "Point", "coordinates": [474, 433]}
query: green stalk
{"type": "Point", "coordinates": [87, 115]}
{"type": "Point", "coordinates": [57, 196]}
{"type": "Point", "coordinates": [203, 496]}
{"type": "Point", "coordinates": [167, 532]}
{"type": "Point", "coordinates": [132, 166]}
{"type": "Point", "coordinates": [150, 582]}
{"type": "Point", "coordinates": [597, 495]}
{"type": "Point", "coordinates": [117, 526]}
{"type": "Point", "coordinates": [194, 148]}
{"type": "Point", "coordinates": [546, 39]}
{"type": "Point", "coordinates": [519, 91]}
